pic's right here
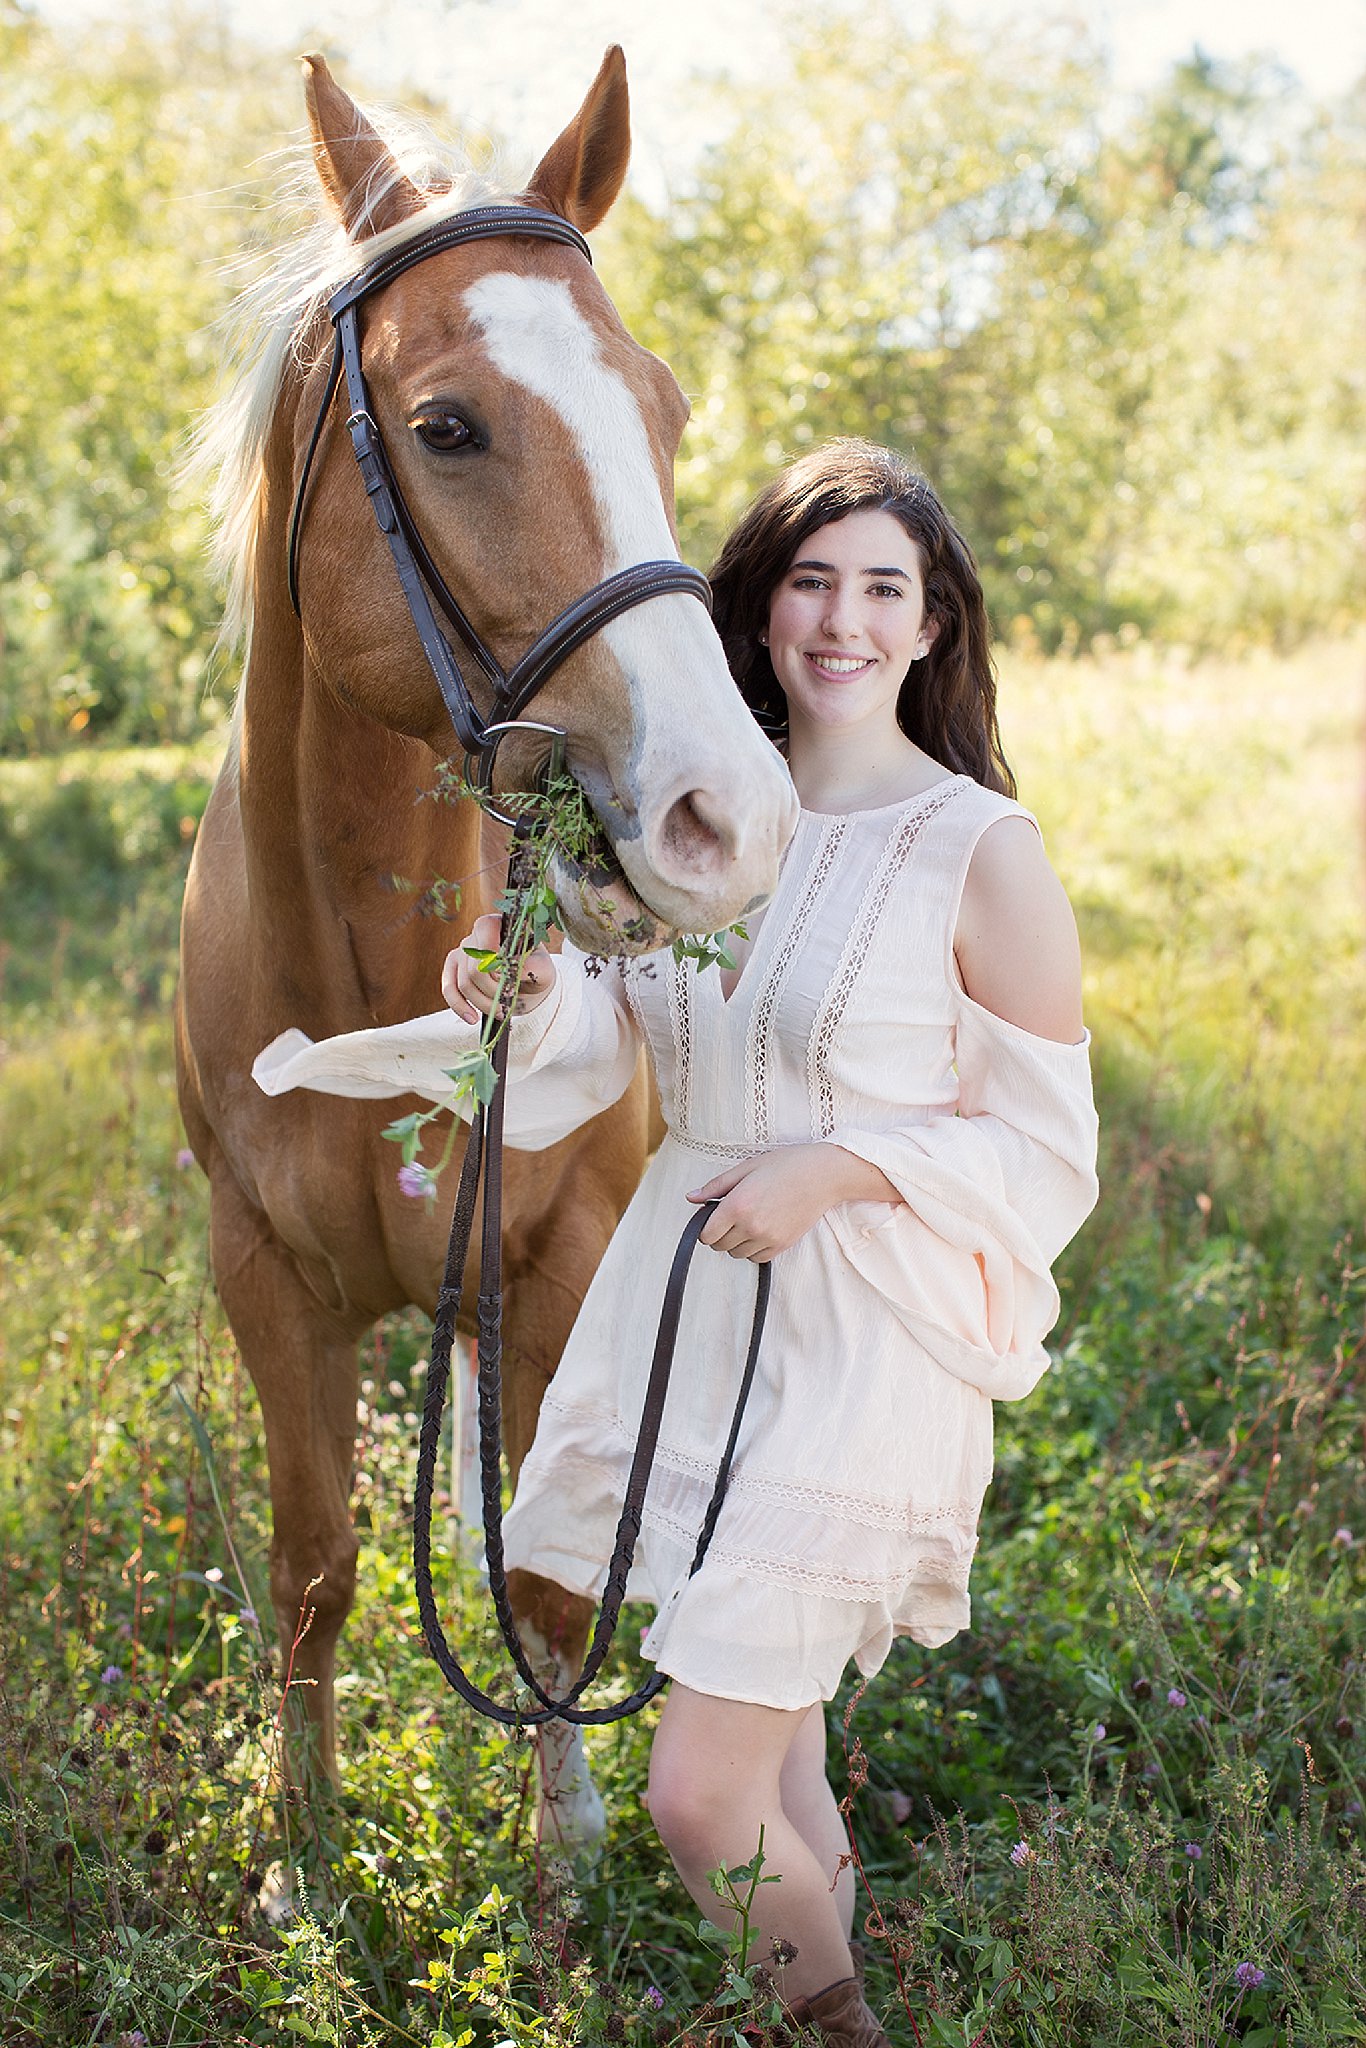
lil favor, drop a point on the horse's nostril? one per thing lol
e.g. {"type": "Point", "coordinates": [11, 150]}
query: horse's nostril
{"type": "Point", "coordinates": [696, 838]}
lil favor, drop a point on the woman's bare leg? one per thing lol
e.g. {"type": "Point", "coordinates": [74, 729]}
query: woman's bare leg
{"type": "Point", "coordinates": [716, 1782]}
{"type": "Point", "coordinates": [813, 1810]}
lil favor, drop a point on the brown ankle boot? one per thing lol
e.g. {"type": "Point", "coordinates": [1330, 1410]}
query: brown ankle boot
{"type": "Point", "coordinates": [840, 2015]}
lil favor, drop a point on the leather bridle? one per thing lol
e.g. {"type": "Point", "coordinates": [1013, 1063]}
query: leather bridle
{"type": "Point", "coordinates": [511, 692]}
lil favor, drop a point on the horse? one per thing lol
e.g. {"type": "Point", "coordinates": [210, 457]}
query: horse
{"type": "Point", "coordinates": [533, 440]}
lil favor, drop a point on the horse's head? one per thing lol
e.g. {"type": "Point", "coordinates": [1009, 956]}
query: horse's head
{"type": "Point", "coordinates": [533, 442]}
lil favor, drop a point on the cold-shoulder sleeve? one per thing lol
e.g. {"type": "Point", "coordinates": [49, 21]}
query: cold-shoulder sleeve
{"type": "Point", "coordinates": [991, 1195]}
{"type": "Point", "coordinates": [571, 1057]}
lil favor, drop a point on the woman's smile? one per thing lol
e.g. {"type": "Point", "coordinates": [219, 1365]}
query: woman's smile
{"type": "Point", "coordinates": [837, 665]}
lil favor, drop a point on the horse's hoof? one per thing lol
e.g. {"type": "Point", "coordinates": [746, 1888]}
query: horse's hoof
{"type": "Point", "coordinates": [278, 1899]}
{"type": "Point", "coordinates": [572, 1821]}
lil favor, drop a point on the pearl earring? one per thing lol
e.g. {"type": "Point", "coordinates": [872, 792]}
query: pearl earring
{"type": "Point", "coordinates": [763, 639]}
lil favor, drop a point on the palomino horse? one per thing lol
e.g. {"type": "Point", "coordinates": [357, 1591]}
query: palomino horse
{"type": "Point", "coordinates": [533, 441]}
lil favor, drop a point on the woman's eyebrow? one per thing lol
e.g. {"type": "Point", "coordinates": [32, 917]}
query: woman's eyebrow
{"type": "Point", "coordinates": [829, 569]}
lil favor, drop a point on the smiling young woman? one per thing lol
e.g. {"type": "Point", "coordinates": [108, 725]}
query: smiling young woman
{"type": "Point", "coordinates": [889, 1096]}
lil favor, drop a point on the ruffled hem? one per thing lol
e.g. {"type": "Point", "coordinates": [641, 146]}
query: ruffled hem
{"type": "Point", "coordinates": [796, 1582]}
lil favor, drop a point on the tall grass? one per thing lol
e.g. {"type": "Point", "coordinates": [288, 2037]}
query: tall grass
{"type": "Point", "coordinates": [1127, 1808]}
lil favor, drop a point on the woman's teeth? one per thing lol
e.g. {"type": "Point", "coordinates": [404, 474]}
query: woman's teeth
{"type": "Point", "coordinates": [838, 664]}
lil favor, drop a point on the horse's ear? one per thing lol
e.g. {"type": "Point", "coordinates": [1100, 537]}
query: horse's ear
{"type": "Point", "coordinates": [580, 175]}
{"type": "Point", "coordinates": [359, 171]}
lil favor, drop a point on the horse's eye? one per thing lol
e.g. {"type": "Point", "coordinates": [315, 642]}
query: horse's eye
{"type": "Point", "coordinates": [444, 431]}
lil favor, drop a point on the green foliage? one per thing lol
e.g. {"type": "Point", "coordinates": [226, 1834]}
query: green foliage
{"type": "Point", "coordinates": [1168, 1647]}
{"type": "Point", "coordinates": [1112, 346]}
{"type": "Point", "coordinates": [111, 270]}
{"type": "Point", "coordinates": [93, 853]}
{"type": "Point", "coordinates": [1169, 1633]}
{"type": "Point", "coordinates": [1116, 347]}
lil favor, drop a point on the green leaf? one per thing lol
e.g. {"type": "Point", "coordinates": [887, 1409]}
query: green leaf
{"type": "Point", "coordinates": [473, 1076]}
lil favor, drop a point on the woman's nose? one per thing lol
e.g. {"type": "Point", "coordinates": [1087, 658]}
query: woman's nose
{"type": "Point", "coordinates": [841, 619]}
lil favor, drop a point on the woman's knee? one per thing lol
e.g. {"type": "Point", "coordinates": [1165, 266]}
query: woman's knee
{"type": "Point", "coordinates": [714, 1775]}
{"type": "Point", "coordinates": [684, 1802]}
{"type": "Point", "coordinates": [701, 1806]}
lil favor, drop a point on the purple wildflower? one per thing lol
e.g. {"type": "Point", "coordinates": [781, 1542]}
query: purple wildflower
{"type": "Point", "coordinates": [1022, 1854]}
{"type": "Point", "coordinates": [1098, 1732]}
{"type": "Point", "coordinates": [653, 1998]}
{"type": "Point", "coordinates": [111, 1674]}
{"type": "Point", "coordinates": [1247, 1976]}
{"type": "Point", "coordinates": [1176, 1698]}
{"type": "Point", "coordinates": [184, 1159]}
{"type": "Point", "coordinates": [1194, 1851]}
{"type": "Point", "coordinates": [1343, 1539]}
{"type": "Point", "coordinates": [417, 1180]}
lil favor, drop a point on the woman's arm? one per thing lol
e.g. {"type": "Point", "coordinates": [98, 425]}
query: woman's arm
{"type": "Point", "coordinates": [770, 1200]}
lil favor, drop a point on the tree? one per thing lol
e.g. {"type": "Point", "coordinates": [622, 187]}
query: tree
{"type": "Point", "coordinates": [112, 268]}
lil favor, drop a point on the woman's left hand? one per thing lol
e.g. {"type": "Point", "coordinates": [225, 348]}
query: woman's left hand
{"type": "Point", "coordinates": [766, 1203]}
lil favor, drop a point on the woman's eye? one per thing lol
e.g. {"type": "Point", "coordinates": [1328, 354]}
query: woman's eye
{"type": "Point", "coordinates": [808, 583]}
{"type": "Point", "coordinates": [886, 590]}
{"type": "Point", "coordinates": [443, 431]}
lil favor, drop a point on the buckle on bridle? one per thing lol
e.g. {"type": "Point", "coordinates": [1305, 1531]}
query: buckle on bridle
{"type": "Point", "coordinates": [484, 765]}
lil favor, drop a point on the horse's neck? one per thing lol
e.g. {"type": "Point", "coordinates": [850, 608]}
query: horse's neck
{"type": "Point", "coordinates": [341, 853]}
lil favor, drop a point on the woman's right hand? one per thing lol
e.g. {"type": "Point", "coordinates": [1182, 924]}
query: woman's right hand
{"type": "Point", "coordinates": [473, 991]}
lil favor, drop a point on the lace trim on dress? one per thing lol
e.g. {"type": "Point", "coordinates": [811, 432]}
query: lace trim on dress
{"type": "Point", "coordinates": [869, 1511]}
{"type": "Point", "coordinates": [895, 855]}
{"type": "Point", "coordinates": [629, 978]}
{"type": "Point", "coordinates": [834, 1582]}
{"type": "Point", "coordinates": [792, 1571]}
{"type": "Point", "coordinates": [679, 976]}
{"type": "Point", "coordinates": [851, 1507]}
{"type": "Point", "coordinates": [759, 1033]}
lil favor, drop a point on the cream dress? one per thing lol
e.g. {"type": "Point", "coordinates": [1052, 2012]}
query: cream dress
{"type": "Point", "coordinates": [851, 1516]}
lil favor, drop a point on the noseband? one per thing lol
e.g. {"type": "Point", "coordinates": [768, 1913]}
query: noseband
{"type": "Point", "coordinates": [511, 690]}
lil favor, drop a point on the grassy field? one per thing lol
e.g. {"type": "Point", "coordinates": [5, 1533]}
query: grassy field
{"type": "Point", "coordinates": [1127, 1809]}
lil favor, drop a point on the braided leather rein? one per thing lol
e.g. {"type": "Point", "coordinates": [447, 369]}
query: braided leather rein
{"type": "Point", "coordinates": [511, 692]}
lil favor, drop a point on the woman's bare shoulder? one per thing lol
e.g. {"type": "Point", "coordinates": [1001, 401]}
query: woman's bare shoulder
{"type": "Point", "coordinates": [1016, 939]}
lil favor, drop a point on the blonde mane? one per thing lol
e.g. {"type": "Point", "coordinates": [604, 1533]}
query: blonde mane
{"type": "Point", "coordinates": [273, 326]}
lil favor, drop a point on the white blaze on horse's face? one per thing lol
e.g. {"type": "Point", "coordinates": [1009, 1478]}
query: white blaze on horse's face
{"type": "Point", "coordinates": [702, 809]}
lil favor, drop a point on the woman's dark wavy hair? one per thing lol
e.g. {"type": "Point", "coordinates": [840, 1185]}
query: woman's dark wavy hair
{"type": "Point", "coordinates": [947, 703]}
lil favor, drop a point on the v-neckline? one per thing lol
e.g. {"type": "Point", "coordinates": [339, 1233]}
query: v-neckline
{"type": "Point", "coordinates": [826, 820]}
{"type": "Point", "coordinates": [756, 944]}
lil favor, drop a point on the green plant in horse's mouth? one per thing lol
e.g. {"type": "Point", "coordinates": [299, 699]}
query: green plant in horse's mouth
{"type": "Point", "coordinates": [554, 822]}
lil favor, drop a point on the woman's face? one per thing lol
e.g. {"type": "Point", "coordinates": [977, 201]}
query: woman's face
{"type": "Point", "coordinates": [847, 620]}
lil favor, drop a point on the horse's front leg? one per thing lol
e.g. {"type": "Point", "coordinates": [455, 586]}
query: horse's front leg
{"type": "Point", "coordinates": [302, 1358]}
